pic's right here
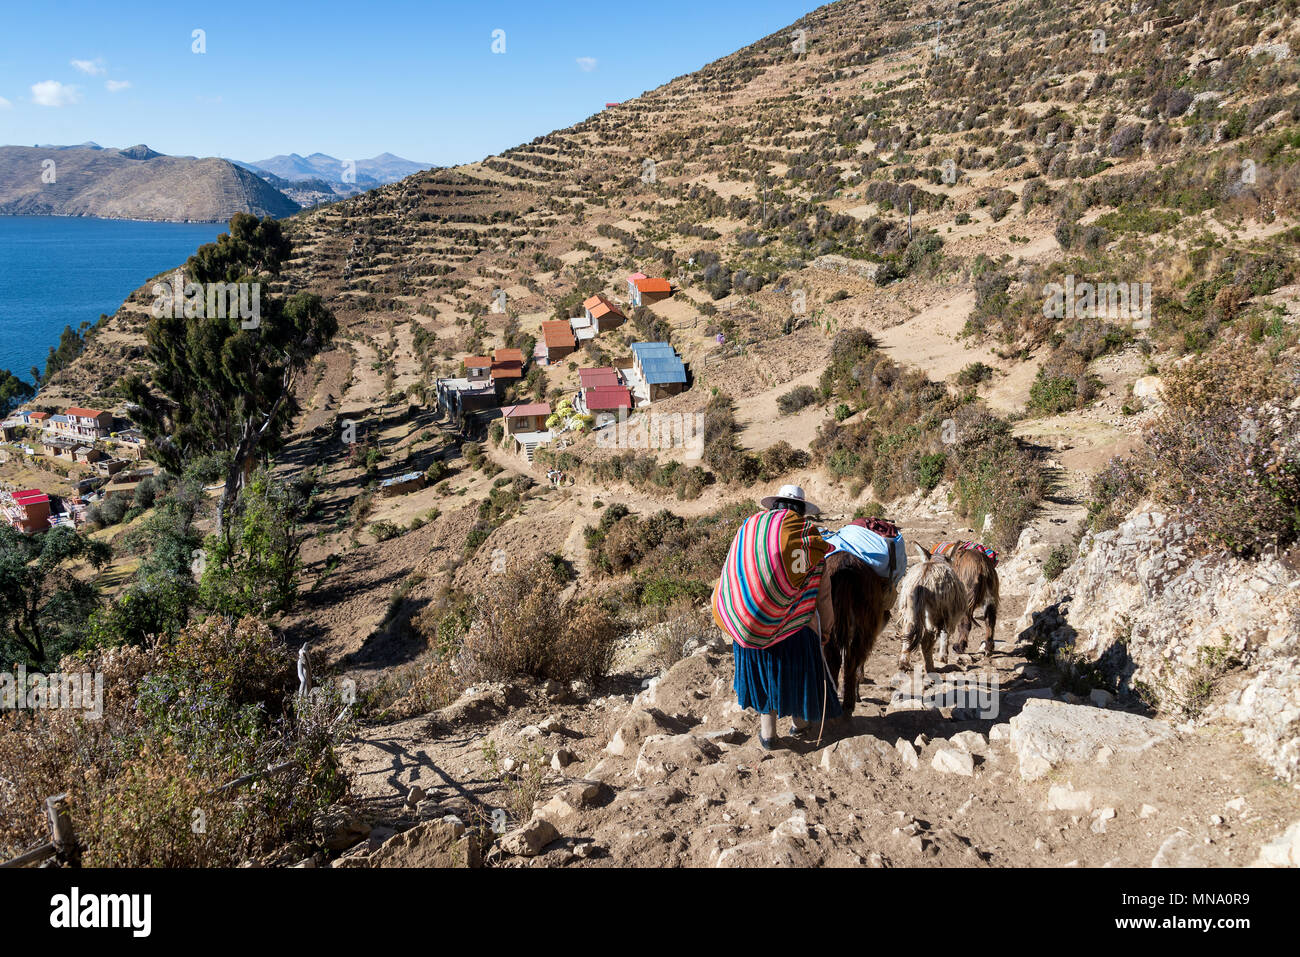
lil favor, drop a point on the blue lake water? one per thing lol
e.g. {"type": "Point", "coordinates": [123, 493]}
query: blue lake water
{"type": "Point", "coordinates": [58, 271]}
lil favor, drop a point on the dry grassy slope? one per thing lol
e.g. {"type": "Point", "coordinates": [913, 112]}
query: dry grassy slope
{"type": "Point", "coordinates": [869, 85]}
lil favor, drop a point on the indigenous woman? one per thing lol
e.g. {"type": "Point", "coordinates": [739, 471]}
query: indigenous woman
{"type": "Point", "coordinates": [774, 604]}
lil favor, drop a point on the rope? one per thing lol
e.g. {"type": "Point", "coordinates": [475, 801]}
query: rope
{"type": "Point", "coordinates": [821, 647]}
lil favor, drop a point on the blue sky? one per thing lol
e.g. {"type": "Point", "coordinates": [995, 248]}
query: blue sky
{"type": "Point", "coordinates": [418, 79]}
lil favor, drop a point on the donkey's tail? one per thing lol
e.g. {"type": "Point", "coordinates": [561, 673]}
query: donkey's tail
{"type": "Point", "coordinates": [916, 608]}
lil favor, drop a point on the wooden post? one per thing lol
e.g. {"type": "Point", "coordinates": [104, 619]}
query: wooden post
{"type": "Point", "coordinates": [61, 835]}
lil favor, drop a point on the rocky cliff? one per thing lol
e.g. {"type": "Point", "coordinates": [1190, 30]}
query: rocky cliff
{"type": "Point", "coordinates": [1205, 635]}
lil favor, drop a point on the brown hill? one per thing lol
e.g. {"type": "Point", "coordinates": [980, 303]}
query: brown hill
{"type": "Point", "coordinates": [135, 183]}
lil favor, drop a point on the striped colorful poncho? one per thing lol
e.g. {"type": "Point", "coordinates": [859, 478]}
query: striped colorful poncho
{"type": "Point", "coordinates": [768, 587]}
{"type": "Point", "coordinates": [950, 549]}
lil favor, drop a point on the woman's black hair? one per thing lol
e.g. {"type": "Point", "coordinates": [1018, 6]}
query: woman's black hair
{"type": "Point", "coordinates": [792, 504]}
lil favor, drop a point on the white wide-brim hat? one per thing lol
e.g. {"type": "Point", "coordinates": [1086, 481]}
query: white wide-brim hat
{"type": "Point", "coordinates": [793, 493]}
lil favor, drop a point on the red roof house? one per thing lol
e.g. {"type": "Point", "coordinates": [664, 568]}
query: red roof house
{"type": "Point", "coordinates": [30, 511]}
{"type": "Point", "coordinates": [525, 417]}
{"type": "Point", "coordinates": [607, 398]}
{"type": "Point", "coordinates": [594, 378]}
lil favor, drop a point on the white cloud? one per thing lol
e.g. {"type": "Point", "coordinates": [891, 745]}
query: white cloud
{"type": "Point", "coordinates": [5, 104]}
{"type": "Point", "coordinates": [89, 67]}
{"type": "Point", "coordinates": [586, 63]}
{"type": "Point", "coordinates": [114, 86]}
{"type": "Point", "coordinates": [54, 93]}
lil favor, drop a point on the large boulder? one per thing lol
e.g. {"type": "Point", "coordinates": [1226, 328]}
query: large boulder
{"type": "Point", "coordinates": [441, 843]}
{"type": "Point", "coordinates": [1049, 733]}
{"type": "Point", "coordinates": [1158, 614]}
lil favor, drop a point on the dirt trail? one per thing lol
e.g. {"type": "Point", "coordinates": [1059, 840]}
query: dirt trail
{"type": "Point", "coordinates": [852, 801]}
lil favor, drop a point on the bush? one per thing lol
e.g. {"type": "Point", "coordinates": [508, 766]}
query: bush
{"type": "Point", "coordinates": [1226, 450]}
{"type": "Point", "coordinates": [974, 374]}
{"type": "Point", "coordinates": [521, 627]}
{"type": "Point", "coordinates": [800, 397]}
{"type": "Point", "coordinates": [1057, 561]}
{"type": "Point", "coordinates": [178, 721]}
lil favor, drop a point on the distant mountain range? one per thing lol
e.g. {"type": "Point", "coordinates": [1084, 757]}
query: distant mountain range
{"type": "Point", "coordinates": [359, 175]}
{"type": "Point", "coordinates": [140, 183]}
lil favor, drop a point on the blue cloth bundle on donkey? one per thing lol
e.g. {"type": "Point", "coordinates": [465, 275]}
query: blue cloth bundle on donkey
{"type": "Point", "coordinates": [883, 554]}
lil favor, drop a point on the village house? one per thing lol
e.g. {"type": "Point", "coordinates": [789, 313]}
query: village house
{"type": "Point", "coordinates": [507, 364]}
{"type": "Point", "coordinates": [583, 330]}
{"type": "Point", "coordinates": [605, 401]}
{"type": "Point", "coordinates": [602, 314]}
{"type": "Point", "coordinates": [557, 340]}
{"type": "Point", "coordinates": [601, 390]}
{"type": "Point", "coordinates": [86, 454]}
{"type": "Point", "coordinates": [478, 370]}
{"type": "Point", "coordinates": [9, 429]}
{"type": "Point", "coordinates": [526, 424]}
{"type": "Point", "coordinates": [130, 443]}
{"type": "Point", "coordinates": [642, 290]}
{"type": "Point", "coordinates": [108, 467]}
{"type": "Point", "coordinates": [659, 369]}
{"type": "Point", "coordinates": [525, 417]}
{"type": "Point", "coordinates": [28, 511]}
{"type": "Point", "coordinates": [38, 419]}
{"type": "Point", "coordinates": [89, 424]}
{"type": "Point", "coordinates": [58, 446]}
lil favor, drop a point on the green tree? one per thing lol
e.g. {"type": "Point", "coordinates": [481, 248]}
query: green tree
{"type": "Point", "coordinates": [216, 387]}
{"type": "Point", "coordinates": [13, 391]}
{"type": "Point", "coordinates": [251, 566]}
{"type": "Point", "coordinates": [44, 605]}
{"type": "Point", "coordinates": [157, 604]}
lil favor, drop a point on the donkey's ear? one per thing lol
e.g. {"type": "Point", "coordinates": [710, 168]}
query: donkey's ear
{"type": "Point", "coordinates": [920, 550]}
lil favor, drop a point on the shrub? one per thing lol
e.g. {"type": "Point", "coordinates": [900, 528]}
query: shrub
{"type": "Point", "coordinates": [1226, 450]}
{"type": "Point", "coordinates": [1058, 560]}
{"type": "Point", "coordinates": [177, 721]}
{"type": "Point", "coordinates": [800, 397]}
{"type": "Point", "coordinates": [521, 627]}
{"type": "Point", "coordinates": [974, 374]}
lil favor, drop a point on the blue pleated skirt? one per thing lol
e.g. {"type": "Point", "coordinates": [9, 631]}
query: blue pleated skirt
{"type": "Point", "coordinates": [788, 678]}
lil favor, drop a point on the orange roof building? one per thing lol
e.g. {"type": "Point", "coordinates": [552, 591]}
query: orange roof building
{"type": "Point", "coordinates": [508, 364]}
{"type": "Point", "coordinates": [557, 339]}
{"type": "Point", "coordinates": [643, 289]}
{"type": "Point", "coordinates": [603, 314]}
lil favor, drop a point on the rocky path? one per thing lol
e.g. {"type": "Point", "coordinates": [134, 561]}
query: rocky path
{"type": "Point", "coordinates": [672, 775]}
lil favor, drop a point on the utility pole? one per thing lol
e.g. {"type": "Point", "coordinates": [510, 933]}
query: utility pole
{"type": "Point", "coordinates": [909, 219]}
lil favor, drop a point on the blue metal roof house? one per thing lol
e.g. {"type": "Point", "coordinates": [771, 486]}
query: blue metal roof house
{"type": "Point", "coordinates": [662, 369]}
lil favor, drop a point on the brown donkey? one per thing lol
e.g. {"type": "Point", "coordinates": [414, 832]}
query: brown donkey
{"type": "Point", "coordinates": [861, 600]}
{"type": "Point", "coordinates": [934, 602]}
{"type": "Point", "coordinates": [980, 577]}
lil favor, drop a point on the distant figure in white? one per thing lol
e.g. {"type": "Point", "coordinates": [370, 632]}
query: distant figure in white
{"type": "Point", "coordinates": [304, 673]}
